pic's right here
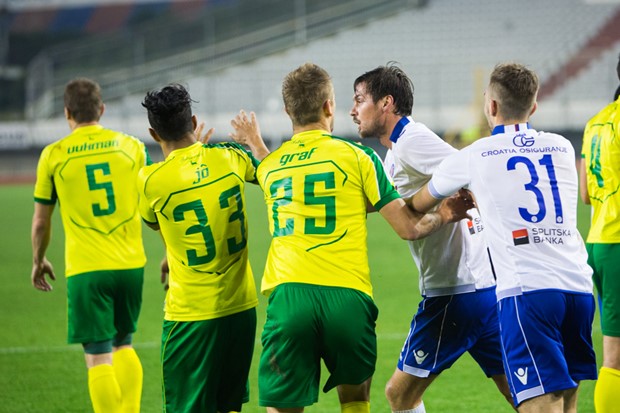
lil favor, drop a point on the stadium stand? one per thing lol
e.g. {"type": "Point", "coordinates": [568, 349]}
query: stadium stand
{"type": "Point", "coordinates": [238, 59]}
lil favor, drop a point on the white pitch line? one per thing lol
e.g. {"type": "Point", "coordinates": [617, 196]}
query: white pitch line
{"type": "Point", "coordinates": [62, 349]}
{"type": "Point", "coordinates": [144, 345]}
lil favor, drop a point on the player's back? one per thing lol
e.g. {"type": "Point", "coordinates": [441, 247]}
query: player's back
{"type": "Point", "coordinates": [92, 173]}
{"type": "Point", "coordinates": [316, 188]}
{"type": "Point", "coordinates": [526, 186]}
{"type": "Point", "coordinates": [197, 197]}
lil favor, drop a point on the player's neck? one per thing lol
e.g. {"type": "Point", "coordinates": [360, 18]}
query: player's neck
{"type": "Point", "coordinates": [323, 124]}
{"type": "Point", "coordinates": [500, 120]}
{"type": "Point", "coordinates": [390, 124]}
{"type": "Point", "coordinates": [74, 125]}
{"type": "Point", "coordinates": [168, 147]}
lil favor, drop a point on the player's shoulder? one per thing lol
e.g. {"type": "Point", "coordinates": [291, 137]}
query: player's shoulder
{"type": "Point", "coordinates": [122, 137]}
{"type": "Point", "coordinates": [610, 111]}
{"type": "Point", "coordinates": [417, 135]}
{"type": "Point", "coordinates": [227, 147]}
{"type": "Point", "coordinates": [556, 138]}
{"type": "Point", "coordinates": [232, 150]}
{"type": "Point", "coordinates": [146, 171]}
{"type": "Point", "coordinates": [416, 128]}
{"type": "Point", "coordinates": [354, 146]}
{"type": "Point", "coordinates": [233, 146]}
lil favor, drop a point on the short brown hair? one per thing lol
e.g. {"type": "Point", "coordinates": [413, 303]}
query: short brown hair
{"type": "Point", "coordinates": [514, 87]}
{"type": "Point", "coordinates": [304, 92]}
{"type": "Point", "coordinates": [83, 100]}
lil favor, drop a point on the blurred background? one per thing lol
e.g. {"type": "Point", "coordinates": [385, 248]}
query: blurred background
{"type": "Point", "coordinates": [233, 54]}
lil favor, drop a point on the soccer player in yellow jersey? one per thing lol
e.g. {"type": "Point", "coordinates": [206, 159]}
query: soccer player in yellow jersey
{"type": "Point", "coordinates": [600, 182]}
{"type": "Point", "coordinates": [91, 173]}
{"type": "Point", "coordinates": [317, 188]}
{"type": "Point", "coordinates": [196, 198]}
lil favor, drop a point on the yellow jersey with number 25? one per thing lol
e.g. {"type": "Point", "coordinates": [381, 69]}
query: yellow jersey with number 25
{"type": "Point", "coordinates": [317, 188]}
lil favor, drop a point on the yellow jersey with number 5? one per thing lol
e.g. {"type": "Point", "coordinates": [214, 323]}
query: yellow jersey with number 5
{"type": "Point", "coordinates": [197, 197]}
{"type": "Point", "coordinates": [91, 173]}
{"type": "Point", "coordinates": [317, 188]}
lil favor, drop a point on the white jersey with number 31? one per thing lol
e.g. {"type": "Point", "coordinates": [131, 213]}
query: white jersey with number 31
{"type": "Point", "coordinates": [525, 183]}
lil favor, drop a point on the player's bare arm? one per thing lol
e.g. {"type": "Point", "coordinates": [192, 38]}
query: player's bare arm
{"type": "Point", "coordinates": [41, 233]}
{"type": "Point", "coordinates": [423, 201]}
{"type": "Point", "coordinates": [165, 271]}
{"type": "Point", "coordinates": [412, 225]}
{"type": "Point", "coordinates": [583, 183]}
{"type": "Point", "coordinates": [247, 132]}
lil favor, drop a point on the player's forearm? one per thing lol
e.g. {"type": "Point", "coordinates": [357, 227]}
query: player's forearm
{"type": "Point", "coordinates": [422, 201]}
{"type": "Point", "coordinates": [258, 148]}
{"type": "Point", "coordinates": [428, 223]}
{"type": "Point", "coordinates": [41, 235]}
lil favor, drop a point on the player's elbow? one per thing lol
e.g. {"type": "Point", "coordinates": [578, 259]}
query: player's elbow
{"type": "Point", "coordinates": [408, 233]}
{"type": "Point", "coordinates": [152, 225]}
{"type": "Point", "coordinates": [40, 225]}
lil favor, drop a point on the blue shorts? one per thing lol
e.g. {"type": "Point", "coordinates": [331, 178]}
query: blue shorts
{"type": "Point", "coordinates": [547, 341]}
{"type": "Point", "coordinates": [445, 327]}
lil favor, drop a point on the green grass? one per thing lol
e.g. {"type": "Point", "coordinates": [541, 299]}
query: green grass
{"type": "Point", "coordinates": [39, 372]}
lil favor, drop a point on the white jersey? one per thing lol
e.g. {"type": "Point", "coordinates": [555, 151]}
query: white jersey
{"type": "Point", "coordinates": [454, 259]}
{"type": "Point", "coordinates": [525, 183]}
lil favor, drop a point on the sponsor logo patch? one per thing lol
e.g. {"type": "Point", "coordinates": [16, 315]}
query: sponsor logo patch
{"type": "Point", "coordinates": [520, 237]}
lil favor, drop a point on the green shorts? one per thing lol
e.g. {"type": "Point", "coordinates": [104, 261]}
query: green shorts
{"type": "Point", "coordinates": [306, 323]}
{"type": "Point", "coordinates": [605, 261]}
{"type": "Point", "coordinates": [206, 363]}
{"type": "Point", "coordinates": [103, 305]}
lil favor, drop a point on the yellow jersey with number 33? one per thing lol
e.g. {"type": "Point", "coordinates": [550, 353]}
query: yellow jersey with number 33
{"type": "Point", "coordinates": [197, 197]}
{"type": "Point", "coordinates": [92, 173]}
{"type": "Point", "coordinates": [317, 188]}
{"type": "Point", "coordinates": [601, 152]}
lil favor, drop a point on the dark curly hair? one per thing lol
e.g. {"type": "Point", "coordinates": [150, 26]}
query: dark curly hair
{"type": "Point", "coordinates": [170, 111]}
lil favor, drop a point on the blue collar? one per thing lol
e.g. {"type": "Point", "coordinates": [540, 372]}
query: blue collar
{"type": "Point", "coordinates": [398, 129]}
{"type": "Point", "coordinates": [510, 128]}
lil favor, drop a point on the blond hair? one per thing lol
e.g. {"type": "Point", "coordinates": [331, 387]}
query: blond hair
{"type": "Point", "coordinates": [304, 92]}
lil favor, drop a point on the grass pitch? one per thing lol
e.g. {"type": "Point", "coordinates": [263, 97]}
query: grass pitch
{"type": "Point", "coordinates": [39, 372]}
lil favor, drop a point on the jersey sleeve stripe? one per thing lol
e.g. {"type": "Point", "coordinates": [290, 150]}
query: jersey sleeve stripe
{"type": "Point", "coordinates": [433, 191]}
{"type": "Point", "coordinates": [45, 201]}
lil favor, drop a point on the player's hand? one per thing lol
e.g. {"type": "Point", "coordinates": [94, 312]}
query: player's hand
{"type": "Point", "coordinates": [454, 208]}
{"type": "Point", "coordinates": [39, 271]}
{"type": "Point", "coordinates": [198, 133]}
{"type": "Point", "coordinates": [164, 272]}
{"type": "Point", "coordinates": [467, 196]}
{"type": "Point", "coordinates": [247, 130]}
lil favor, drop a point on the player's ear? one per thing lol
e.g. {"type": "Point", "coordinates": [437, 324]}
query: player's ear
{"type": "Point", "coordinates": [67, 114]}
{"type": "Point", "coordinates": [194, 122]}
{"type": "Point", "coordinates": [493, 107]}
{"type": "Point", "coordinates": [328, 108]}
{"type": "Point", "coordinates": [154, 135]}
{"type": "Point", "coordinates": [388, 101]}
{"type": "Point", "coordinates": [534, 107]}
{"type": "Point", "coordinates": [101, 110]}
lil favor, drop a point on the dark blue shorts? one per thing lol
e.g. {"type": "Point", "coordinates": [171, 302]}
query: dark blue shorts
{"type": "Point", "coordinates": [446, 327]}
{"type": "Point", "coordinates": [547, 341]}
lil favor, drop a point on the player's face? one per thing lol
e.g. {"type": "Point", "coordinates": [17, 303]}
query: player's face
{"type": "Point", "coordinates": [366, 113]}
